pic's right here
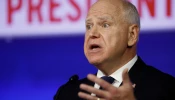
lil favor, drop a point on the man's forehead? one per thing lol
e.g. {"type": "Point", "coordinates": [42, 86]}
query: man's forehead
{"type": "Point", "coordinates": [115, 3]}
{"type": "Point", "coordinates": [102, 5]}
{"type": "Point", "coordinates": [105, 7]}
{"type": "Point", "coordinates": [103, 18]}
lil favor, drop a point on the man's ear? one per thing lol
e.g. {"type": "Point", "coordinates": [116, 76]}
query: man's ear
{"type": "Point", "coordinates": [133, 34]}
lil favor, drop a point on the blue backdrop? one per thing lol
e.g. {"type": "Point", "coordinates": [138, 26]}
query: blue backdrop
{"type": "Point", "coordinates": [33, 68]}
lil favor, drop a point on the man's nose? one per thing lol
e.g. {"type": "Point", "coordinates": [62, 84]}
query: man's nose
{"type": "Point", "coordinates": [94, 33]}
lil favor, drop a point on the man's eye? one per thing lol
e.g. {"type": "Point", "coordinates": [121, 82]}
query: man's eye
{"type": "Point", "coordinates": [105, 25]}
{"type": "Point", "coordinates": [88, 27]}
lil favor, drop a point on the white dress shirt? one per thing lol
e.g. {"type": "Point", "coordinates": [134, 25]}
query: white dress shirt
{"type": "Point", "coordinates": [117, 75]}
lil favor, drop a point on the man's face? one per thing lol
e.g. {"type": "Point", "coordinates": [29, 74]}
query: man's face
{"type": "Point", "coordinates": [106, 34]}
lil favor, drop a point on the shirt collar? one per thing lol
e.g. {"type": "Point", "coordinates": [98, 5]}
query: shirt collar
{"type": "Point", "coordinates": [117, 75]}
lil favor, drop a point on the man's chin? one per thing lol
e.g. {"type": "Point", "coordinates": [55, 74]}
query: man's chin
{"type": "Point", "coordinates": [95, 63]}
{"type": "Point", "coordinates": [95, 60]}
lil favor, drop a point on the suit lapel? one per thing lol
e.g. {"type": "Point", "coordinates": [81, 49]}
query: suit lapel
{"type": "Point", "coordinates": [136, 70]}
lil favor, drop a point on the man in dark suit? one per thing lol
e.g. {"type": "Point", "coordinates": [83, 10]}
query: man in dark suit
{"type": "Point", "coordinates": [112, 31]}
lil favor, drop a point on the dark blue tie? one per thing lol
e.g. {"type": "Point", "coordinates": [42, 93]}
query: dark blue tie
{"type": "Point", "coordinates": [108, 79]}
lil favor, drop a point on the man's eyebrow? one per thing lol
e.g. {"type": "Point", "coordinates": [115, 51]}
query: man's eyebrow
{"type": "Point", "coordinates": [88, 20]}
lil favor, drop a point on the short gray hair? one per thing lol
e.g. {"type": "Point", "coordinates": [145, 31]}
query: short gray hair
{"type": "Point", "coordinates": [131, 14]}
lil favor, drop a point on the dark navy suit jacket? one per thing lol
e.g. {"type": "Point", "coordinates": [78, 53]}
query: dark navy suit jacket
{"type": "Point", "coordinates": [151, 84]}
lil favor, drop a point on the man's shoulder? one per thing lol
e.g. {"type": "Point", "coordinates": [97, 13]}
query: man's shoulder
{"type": "Point", "coordinates": [149, 77]}
{"type": "Point", "coordinates": [149, 72]}
{"type": "Point", "coordinates": [156, 74]}
{"type": "Point", "coordinates": [151, 82]}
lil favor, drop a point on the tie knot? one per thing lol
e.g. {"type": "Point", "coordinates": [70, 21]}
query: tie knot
{"type": "Point", "coordinates": [109, 79]}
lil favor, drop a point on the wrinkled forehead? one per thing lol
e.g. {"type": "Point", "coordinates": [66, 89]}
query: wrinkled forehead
{"type": "Point", "coordinates": [110, 7]}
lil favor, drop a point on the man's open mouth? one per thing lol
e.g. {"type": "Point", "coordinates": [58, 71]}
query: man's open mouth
{"type": "Point", "coordinates": [94, 46]}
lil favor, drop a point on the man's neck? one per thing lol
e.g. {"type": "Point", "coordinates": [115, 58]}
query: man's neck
{"type": "Point", "coordinates": [109, 68]}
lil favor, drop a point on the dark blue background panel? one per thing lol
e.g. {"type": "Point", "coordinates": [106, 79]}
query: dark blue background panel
{"type": "Point", "coordinates": [33, 68]}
